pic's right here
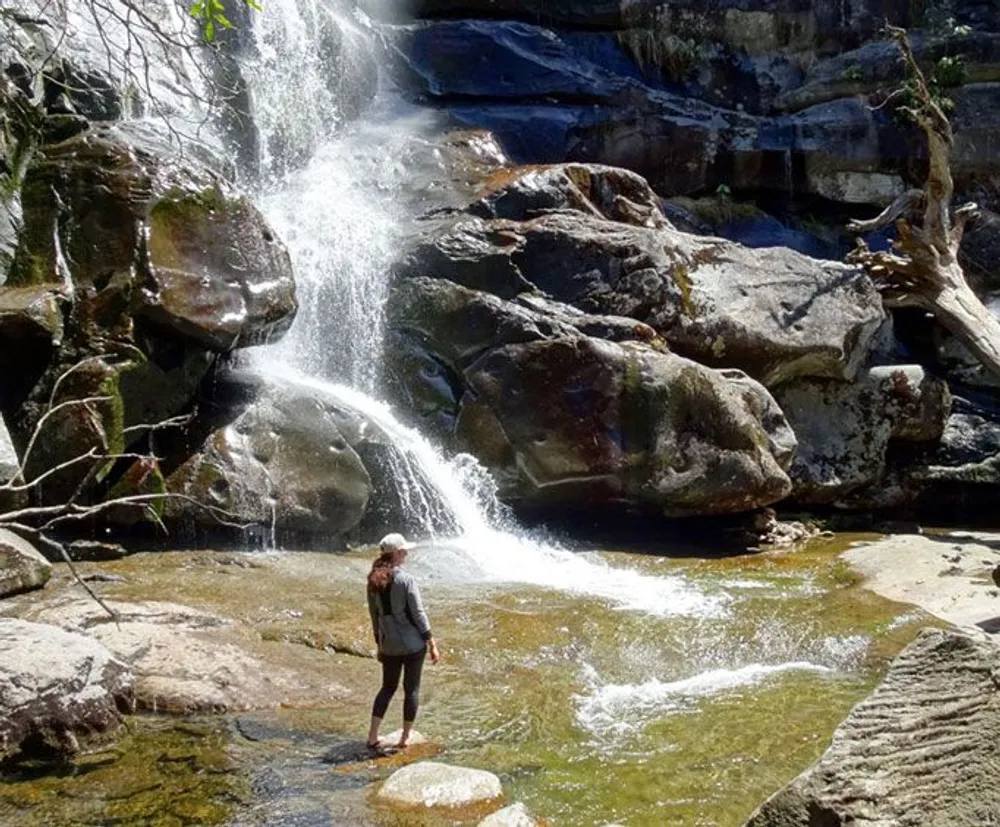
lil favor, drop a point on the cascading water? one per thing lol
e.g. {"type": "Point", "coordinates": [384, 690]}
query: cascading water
{"type": "Point", "coordinates": [341, 215]}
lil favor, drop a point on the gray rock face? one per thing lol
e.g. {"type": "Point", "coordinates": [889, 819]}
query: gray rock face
{"type": "Point", "coordinates": [562, 418]}
{"type": "Point", "coordinates": [59, 691]}
{"type": "Point", "coordinates": [920, 751]}
{"type": "Point", "coordinates": [844, 429]}
{"type": "Point", "coordinates": [286, 461]}
{"type": "Point", "coordinates": [774, 313]}
{"type": "Point", "coordinates": [22, 567]}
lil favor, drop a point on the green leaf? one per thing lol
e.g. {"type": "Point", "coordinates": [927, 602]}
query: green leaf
{"type": "Point", "coordinates": [221, 19]}
{"type": "Point", "coordinates": [210, 31]}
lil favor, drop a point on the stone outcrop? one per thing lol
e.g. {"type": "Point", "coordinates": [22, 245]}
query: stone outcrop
{"type": "Point", "coordinates": [184, 661]}
{"type": "Point", "coordinates": [920, 750]}
{"type": "Point", "coordinates": [844, 429]}
{"type": "Point", "coordinates": [22, 567]}
{"type": "Point", "coordinates": [60, 692]}
{"type": "Point", "coordinates": [773, 313]}
{"type": "Point", "coordinates": [566, 419]}
{"type": "Point", "coordinates": [433, 784]}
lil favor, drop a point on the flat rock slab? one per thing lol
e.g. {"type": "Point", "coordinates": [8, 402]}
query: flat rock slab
{"type": "Point", "coordinates": [432, 784]}
{"type": "Point", "coordinates": [920, 751]}
{"type": "Point", "coordinates": [946, 576]}
{"type": "Point", "coordinates": [22, 567]}
{"type": "Point", "coordinates": [58, 691]}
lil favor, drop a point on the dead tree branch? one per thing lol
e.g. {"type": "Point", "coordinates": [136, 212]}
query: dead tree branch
{"type": "Point", "coordinates": [923, 269]}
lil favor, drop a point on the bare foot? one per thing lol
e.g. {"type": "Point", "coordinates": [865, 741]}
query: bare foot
{"type": "Point", "coordinates": [402, 744]}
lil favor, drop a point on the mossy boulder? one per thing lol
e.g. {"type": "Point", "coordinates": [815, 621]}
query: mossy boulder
{"type": "Point", "coordinates": [133, 231]}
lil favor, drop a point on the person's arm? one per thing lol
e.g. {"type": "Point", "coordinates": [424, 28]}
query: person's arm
{"type": "Point", "coordinates": [418, 617]}
{"type": "Point", "coordinates": [373, 614]}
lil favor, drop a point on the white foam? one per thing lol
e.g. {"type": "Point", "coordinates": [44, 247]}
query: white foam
{"type": "Point", "coordinates": [616, 709]}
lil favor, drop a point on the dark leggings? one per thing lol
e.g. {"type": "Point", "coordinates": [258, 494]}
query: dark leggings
{"type": "Point", "coordinates": [392, 665]}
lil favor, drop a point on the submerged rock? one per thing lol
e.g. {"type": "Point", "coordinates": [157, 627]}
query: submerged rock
{"type": "Point", "coordinates": [920, 750]}
{"type": "Point", "coordinates": [432, 784]}
{"type": "Point", "coordinates": [22, 567]}
{"type": "Point", "coordinates": [59, 692]}
{"type": "Point", "coordinates": [516, 815]}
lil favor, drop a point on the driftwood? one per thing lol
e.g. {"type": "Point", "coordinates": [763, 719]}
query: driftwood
{"type": "Point", "coordinates": [922, 270]}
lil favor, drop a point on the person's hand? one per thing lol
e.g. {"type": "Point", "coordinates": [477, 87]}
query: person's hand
{"type": "Point", "coordinates": [435, 654]}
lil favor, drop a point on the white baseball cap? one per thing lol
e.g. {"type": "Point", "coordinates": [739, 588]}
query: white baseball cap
{"type": "Point", "coordinates": [394, 541]}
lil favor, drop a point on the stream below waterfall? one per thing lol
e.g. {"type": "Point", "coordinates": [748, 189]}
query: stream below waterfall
{"type": "Point", "coordinates": [590, 713]}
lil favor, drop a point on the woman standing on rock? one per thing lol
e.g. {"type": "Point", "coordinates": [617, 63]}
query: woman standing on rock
{"type": "Point", "coordinates": [402, 634]}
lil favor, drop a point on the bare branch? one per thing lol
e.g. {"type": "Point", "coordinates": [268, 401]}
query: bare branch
{"type": "Point", "coordinates": [902, 207]}
{"type": "Point", "coordinates": [37, 536]}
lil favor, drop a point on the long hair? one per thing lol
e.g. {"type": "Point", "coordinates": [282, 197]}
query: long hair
{"type": "Point", "coordinates": [381, 573]}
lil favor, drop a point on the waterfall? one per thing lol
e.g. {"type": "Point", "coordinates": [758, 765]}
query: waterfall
{"type": "Point", "coordinates": [341, 214]}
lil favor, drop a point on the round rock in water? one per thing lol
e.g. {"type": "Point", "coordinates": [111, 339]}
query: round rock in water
{"type": "Point", "coordinates": [431, 784]}
{"type": "Point", "coordinates": [516, 815]}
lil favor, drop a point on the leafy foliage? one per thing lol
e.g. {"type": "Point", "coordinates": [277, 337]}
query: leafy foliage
{"type": "Point", "coordinates": [211, 14]}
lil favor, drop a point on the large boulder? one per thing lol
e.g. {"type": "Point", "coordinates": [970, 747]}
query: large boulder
{"type": "Point", "coordinates": [22, 567]}
{"type": "Point", "coordinates": [565, 419]}
{"type": "Point", "coordinates": [844, 429]}
{"type": "Point", "coordinates": [773, 312]}
{"type": "Point", "coordinates": [279, 461]}
{"type": "Point", "coordinates": [135, 232]}
{"type": "Point", "coordinates": [60, 692]}
{"type": "Point", "coordinates": [921, 750]}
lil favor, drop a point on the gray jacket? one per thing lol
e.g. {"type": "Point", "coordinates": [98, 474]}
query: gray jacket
{"type": "Point", "coordinates": [399, 622]}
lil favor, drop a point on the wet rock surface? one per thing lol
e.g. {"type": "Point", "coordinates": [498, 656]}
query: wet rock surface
{"type": "Point", "coordinates": [433, 784]}
{"type": "Point", "coordinates": [920, 747]}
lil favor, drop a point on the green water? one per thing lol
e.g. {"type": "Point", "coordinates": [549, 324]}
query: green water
{"type": "Point", "coordinates": [588, 714]}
